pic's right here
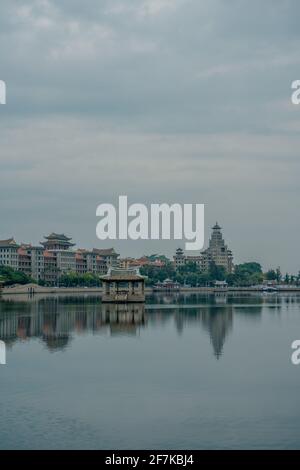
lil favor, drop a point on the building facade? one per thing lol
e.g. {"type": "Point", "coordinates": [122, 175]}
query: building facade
{"type": "Point", "coordinates": [50, 274]}
{"type": "Point", "coordinates": [24, 261]}
{"type": "Point", "coordinates": [61, 247]}
{"type": "Point", "coordinates": [90, 262]}
{"type": "Point", "coordinates": [37, 262]}
{"type": "Point", "coordinates": [56, 256]}
{"type": "Point", "coordinates": [9, 253]}
{"type": "Point", "coordinates": [108, 255]}
{"type": "Point", "coordinates": [31, 261]}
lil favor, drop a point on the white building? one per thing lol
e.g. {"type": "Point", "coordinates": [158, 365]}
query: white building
{"type": "Point", "coordinates": [9, 253]}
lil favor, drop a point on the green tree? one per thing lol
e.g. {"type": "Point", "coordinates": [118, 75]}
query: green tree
{"type": "Point", "coordinates": [73, 279]}
{"type": "Point", "coordinates": [278, 274]}
{"type": "Point", "coordinates": [156, 274]}
{"type": "Point", "coordinates": [216, 272]}
{"type": "Point", "coordinates": [271, 275]}
{"type": "Point", "coordinates": [9, 276]}
{"type": "Point", "coordinates": [245, 275]}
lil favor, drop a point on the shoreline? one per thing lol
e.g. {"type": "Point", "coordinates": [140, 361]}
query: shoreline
{"type": "Point", "coordinates": [33, 289]}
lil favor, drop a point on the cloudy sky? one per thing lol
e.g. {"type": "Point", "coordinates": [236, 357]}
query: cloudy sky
{"type": "Point", "coordinates": [162, 100]}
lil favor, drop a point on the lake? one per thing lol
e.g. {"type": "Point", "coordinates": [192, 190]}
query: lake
{"type": "Point", "coordinates": [183, 371]}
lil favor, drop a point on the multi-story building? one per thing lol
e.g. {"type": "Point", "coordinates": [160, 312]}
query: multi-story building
{"type": "Point", "coordinates": [90, 262]}
{"type": "Point", "coordinates": [60, 246]}
{"type": "Point", "coordinates": [217, 252]}
{"type": "Point", "coordinates": [126, 263]}
{"type": "Point", "coordinates": [37, 262]}
{"type": "Point", "coordinates": [24, 260]}
{"type": "Point", "coordinates": [81, 264]}
{"type": "Point", "coordinates": [101, 266]}
{"type": "Point", "coordinates": [31, 261]}
{"type": "Point", "coordinates": [9, 253]}
{"type": "Point", "coordinates": [50, 274]}
{"type": "Point", "coordinates": [180, 259]}
{"type": "Point", "coordinates": [65, 261]}
{"type": "Point", "coordinates": [93, 262]}
{"type": "Point", "coordinates": [108, 255]}
{"type": "Point", "coordinates": [55, 257]}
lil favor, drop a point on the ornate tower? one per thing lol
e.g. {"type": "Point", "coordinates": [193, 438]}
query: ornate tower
{"type": "Point", "coordinates": [217, 251]}
{"type": "Point", "coordinates": [179, 258]}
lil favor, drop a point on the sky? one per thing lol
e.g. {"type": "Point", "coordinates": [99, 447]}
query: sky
{"type": "Point", "coordinates": [184, 101]}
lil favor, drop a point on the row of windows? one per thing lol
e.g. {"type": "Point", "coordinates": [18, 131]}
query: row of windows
{"type": "Point", "coordinates": [8, 263]}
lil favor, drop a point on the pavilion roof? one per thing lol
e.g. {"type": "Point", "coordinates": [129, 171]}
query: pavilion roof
{"type": "Point", "coordinates": [118, 274]}
{"type": "Point", "coordinates": [132, 277]}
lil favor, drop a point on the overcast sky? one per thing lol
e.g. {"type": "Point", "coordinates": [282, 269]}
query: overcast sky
{"type": "Point", "coordinates": [161, 100]}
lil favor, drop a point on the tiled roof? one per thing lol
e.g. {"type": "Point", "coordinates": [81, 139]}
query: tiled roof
{"type": "Point", "coordinates": [105, 251]}
{"type": "Point", "coordinates": [57, 236]}
{"type": "Point", "coordinates": [131, 277]}
{"type": "Point", "coordinates": [22, 252]}
{"type": "Point", "coordinates": [118, 274]}
{"type": "Point", "coordinates": [9, 242]}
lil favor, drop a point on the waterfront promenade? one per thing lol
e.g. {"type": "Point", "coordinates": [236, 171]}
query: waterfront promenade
{"type": "Point", "coordinates": [34, 289]}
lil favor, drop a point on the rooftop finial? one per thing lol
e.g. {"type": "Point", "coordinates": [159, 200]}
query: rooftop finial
{"type": "Point", "coordinates": [216, 226]}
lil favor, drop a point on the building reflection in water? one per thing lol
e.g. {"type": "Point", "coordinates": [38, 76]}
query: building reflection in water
{"type": "Point", "coordinates": [123, 318]}
{"type": "Point", "coordinates": [213, 312]}
{"type": "Point", "coordinates": [215, 317]}
{"type": "Point", "coordinates": [55, 320]}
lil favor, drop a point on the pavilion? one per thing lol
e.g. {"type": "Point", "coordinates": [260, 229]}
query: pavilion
{"type": "Point", "coordinates": [123, 285]}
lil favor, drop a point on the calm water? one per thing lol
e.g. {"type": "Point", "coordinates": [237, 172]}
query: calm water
{"type": "Point", "coordinates": [195, 371]}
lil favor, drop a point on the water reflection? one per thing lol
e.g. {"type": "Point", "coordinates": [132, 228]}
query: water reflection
{"type": "Point", "coordinates": [55, 320]}
{"type": "Point", "coordinates": [214, 318]}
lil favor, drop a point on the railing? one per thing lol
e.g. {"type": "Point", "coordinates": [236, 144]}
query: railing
{"type": "Point", "coordinates": [121, 296]}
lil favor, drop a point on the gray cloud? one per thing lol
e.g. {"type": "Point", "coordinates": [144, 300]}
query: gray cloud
{"type": "Point", "coordinates": [161, 100]}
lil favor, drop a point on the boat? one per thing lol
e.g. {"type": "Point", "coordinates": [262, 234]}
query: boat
{"type": "Point", "coordinates": [269, 289]}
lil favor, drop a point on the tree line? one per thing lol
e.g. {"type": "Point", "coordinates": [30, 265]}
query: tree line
{"type": "Point", "coordinates": [244, 275]}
